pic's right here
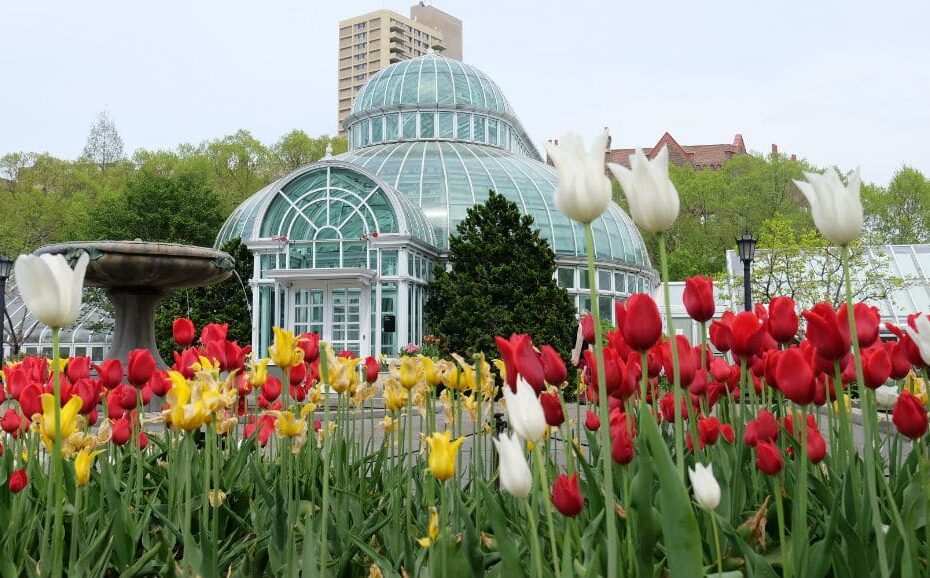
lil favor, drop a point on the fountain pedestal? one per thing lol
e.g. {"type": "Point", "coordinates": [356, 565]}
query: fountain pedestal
{"type": "Point", "coordinates": [137, 275]}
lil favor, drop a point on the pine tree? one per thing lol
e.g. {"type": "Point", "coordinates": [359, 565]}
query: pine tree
{"type": "Point", "coordinates": [500, 281]}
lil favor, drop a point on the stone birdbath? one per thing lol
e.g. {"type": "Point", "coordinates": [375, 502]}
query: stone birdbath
{"type": "Point", "coordinates": [137, 275]}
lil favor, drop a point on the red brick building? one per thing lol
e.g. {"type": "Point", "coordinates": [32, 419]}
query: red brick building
{"type": "Point", "coordinates": [708, 156]}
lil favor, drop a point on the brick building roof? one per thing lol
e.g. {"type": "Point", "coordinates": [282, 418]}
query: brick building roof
{"type": "Point", "coordinates": [710, 156]}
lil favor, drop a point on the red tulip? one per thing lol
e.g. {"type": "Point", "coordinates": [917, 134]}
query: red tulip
{"type": "Point", "coordinates": [816, 445]}
{"type": "Point", "coordinates": [16, 380]}
{"type": "Point", "coordinates": [825, 333]}
{"type": "Point", "coordinates": [184, 332]}
{"type": "Point", "coordinates": [782, 323]}
{"type": "Point", "coordinates": [795, 377]}
{"type": "Point", "coordinates": [527, 360]}
{"type": "Point", "coordinates": [587, 328]}
{"type": "Point", "coordinates": [719, 369]}
{"type": "Point", "coordinates": [619, 313]}
{"type": "Point", "coordinates": [17, 481]}
{"type": "Point", "coordinates": [621, 449]}
{"type": "Point", "coordinates": [271, 389]}
{"type": "Point", "coordinates": [763, 428]}
{"type": "Point", "coordinates": [298, 374]}
{"type": "Point", "coordinates": [78, 368]}
{"type": "Point", "coordinates": [125, 396]}
{"type": "Point", "coordinates": [708, 430]}
{"type": "Point", "coordinates": [235, 356]}
{"type": "Point", "coordinates": [89, 392]}
{"type": "Point", "coordinates": [897, 354]}
{"type": "Point", "coordinates": [372, 368]}
{"type": "Point", "coordinates": [667, 407]}
{"type": "Point", "coordinates": [216, 350]}
{"type": "Point", "coordinates": [92, 417]}
{"type": "Point", "coordinates": [687, 362]}
{"type": "Point", "coordinates": [721, 333]}
{"type": "Point", "coordinates": [140, 366]}
{"type": "Point", "coordinates": [121, 431]}
{"type": "Point", "coordinates": [909, 416]}
{"type": "Point", "coordinates": [110, 373]}
{"type": "Point", "coordinates": [160, 383]}
{"type": "Point", "coordinates": [214, 332]}
{"type": "Point", "coordinates": [506, 351]}
{"type": "Point", "coordinates": [11, 422]}
{"type": "Point", "coordinates": [552, 408]}
{"type": "Point", "coordinates": [553, 365]}
{"type": "Point", "coordinates": [619, 419]}
{"type": "Point", "coordinates": [868, 321]}
{"type": "Point", "coordinates": [642, 326]}
{"type": "Point", "coordinates": [143, 440]}
{"type": "Point", "coordinates": [29, 401]}
{"type": "Point", "coordinates": [592, 421]}
{"type": "Point", "coordinates": [768, 458]}
{"type": "Point", "coordinates": [36, 368]}
{"type": "Point", "coordinates": [876, 367]}
{"type": "Point", "coordinates": [297, 392]}
{"type": "Point", "coordinates": [726, 430]}
{"type": "Point", "coordinates": [310, 343]}
{"type": "Point", "coordinates": [566, 495]}
{"type": "Point", "coordinates": [613, 370]}
{"type": "Point", "coordinates": [748, 335]}
{"type": "Point", "coordinates": [698, 298]}
{"type": "Point", "coordinates": [184, 360]}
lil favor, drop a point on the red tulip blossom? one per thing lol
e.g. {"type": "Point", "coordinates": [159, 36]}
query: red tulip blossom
{"type": "Point", "coordinates": [698, 298]}
{"type": "Point", "coordinates": [747, 335]}
{"type": "Point", "coordinates": [298, 373]}
{"type": "Point", "coordinates": [566, 495]}
{"type": "Point", "coordinates": [140, 366]}
{"type": "Point", "coordinates": [868, 321]}
{"type": "Point", "coordinates": [587, 328]}
{"type": "Point", "coordinates": [554, 368]}
{"type": "Point", "coordinates": [89, 392]}
{"type": "Point", "coordinates": [762, 428]}
{"type": "Point", "coordinates": [795, 377]}
{"type": "Point", "coordinates": [909, 416]}
{"type": "Point", "coordinates": [529, 366]}
{"type": "Point", "coordinates": [613, 370]}
{"type": "Point", "coordinates": [667, 407]}
{"type": "Point", "coordinates": [214, 332]}
{"type": "Point", "coordinates": [825, 331]}
{"type": "Point", "coordinates": [184, 332]}
{"type": "Point", "coordinates": [621, 449]}
{"type": "Point", "coordinates": [782, 322]}
{"type": "Point", "coordinates": [552, 408]}
{"type": "Point", "coordinates": [271, 389]}
{"type": "Point", "coordinates": [372, 369]}
{"type": "Point", "coordinates": [78, 368]}
{"type": "Point", "coordinates": [687, 361]}
{"type": "Point", "coordinates": [816, 445]}
{"type": "Point", "coordinates": [592, 421]}
{"type": "Point", "coordinates": [721, 333]}
{"type": "Point", "coordinates": [310, 343]}
{"type": "Point", "coordinates": [29, 401]}
{"type": "Point", "coordinates": [160, 383]}
{"type": "Point", "coordinates": [11, 422]}
{"type": "Point", "coordinates": [110, 373]}
{"type": "Point", "coordinates": [897, 355]}
{"type": "Point", "coordinates": [708, 430]}
{"type": "Point", "coordinates": [184, 361]}
{"type": "Point", "coordinates": [719, 369]}
{"type": "Point", "coordinates": [17, 481]}
{"type": "Point", "coordinates": [642, 326]}
{"type": "Point", "coordinates": [876, 367]}
{"type": "Point", "coordinates": [726, 430]}
{"type": "Point", "coordinates": [122, 430]}
{"type": "Point", "coordinates": [768, 458]}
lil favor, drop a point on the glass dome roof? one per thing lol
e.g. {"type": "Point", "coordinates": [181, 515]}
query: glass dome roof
{"type": "Point", "coordinates": [447, 178]}
{"type": "Point", "coordinates": [431, 79]}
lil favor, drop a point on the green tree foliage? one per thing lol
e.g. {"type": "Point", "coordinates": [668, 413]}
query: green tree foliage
{"type": "Point", "coordinates": [500, 281]}
{"type": "Point", "coordinates": [226, 302]}
{"type": "Point", "coordinates": [296, 149]}
{"type": "Point", "coordinates": [899, 214]}
{"type": "Point", "coordinates": [104, 146]}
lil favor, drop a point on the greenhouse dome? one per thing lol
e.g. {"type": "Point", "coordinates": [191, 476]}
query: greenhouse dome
{"type": "Point", "coordinates": [345, 246]}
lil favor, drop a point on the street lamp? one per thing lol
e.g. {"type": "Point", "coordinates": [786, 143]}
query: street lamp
{"type": "Point", "coordinates": [6, 265]}
{"type": "Point", "coordinates": [746, 246]}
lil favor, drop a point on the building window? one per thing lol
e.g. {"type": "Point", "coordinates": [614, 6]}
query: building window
{"type": "Point", "coordinates": [463, 126]}
{"type": "Point", "coordinates": [410, 125]}
{"type": "Point", "coordinates": [391, 130]}
{"type": "Point", "coordinates": [566, 277]}
{"type": "Point", "coordinates": [360, 36]}
{"type": "Point", "coordinates": [479, 128]}
{"type": "Point", "coordinates": [427, 125]}
{"type": "Point", "coordinates": [360, 26]}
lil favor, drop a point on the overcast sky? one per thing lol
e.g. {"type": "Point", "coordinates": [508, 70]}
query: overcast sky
{"type": "Point", "coordinates": [839, 83]}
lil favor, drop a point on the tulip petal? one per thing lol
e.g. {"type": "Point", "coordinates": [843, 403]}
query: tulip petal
{"type": "Point", "coordinates": [37, 287]}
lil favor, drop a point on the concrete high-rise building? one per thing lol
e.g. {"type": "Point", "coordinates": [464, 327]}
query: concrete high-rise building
{"type": "Point", "coordinates": [373, 41]}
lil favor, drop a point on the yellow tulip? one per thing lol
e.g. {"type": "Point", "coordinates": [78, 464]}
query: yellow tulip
{"type": "Point", "coordinates": [433, 531]}
{"type": "Point", "coordinates": [342, 374]}
{"type": "Point", "coordinates": [395, 397]}
{"type": "Point", "coordinates": [285, 352]}
{"type": "Point", "coordinates": [68, 417]}
{"type": "Point", "coordinates": [409, 372]}
{"type": "Point", "coordinates": [501, 368]}
{"type": "Point", "coordinates": [258, 373]}
{"type": "Point", "coordinates": [430, 374]}
{"type": "Point", "coordinates": [388, 424]}
{"type": "Point", "coordinates": [288, 426]}
{"type": "Point", "coordinates": [82, 465]}
{"type": "Point", "coordinates": [442, 451]}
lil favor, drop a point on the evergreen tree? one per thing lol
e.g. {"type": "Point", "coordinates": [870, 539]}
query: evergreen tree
{"type": "Point", "coordinates": [500, 281]}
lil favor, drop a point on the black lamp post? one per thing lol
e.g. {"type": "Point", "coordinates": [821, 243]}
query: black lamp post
{"type": "Point", "coordinates": [746, 246]}
{"type": "Point", "coordinates": [6, 265]}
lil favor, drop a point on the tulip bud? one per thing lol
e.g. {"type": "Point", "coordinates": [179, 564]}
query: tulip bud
{"type": "Point", "coordinates": [78, 368]}
{"type": "Point", "coordinates": [909, 416]}
{"type": "Point", "coordinates": [708, 430]}
{"type": "Point", "coordinates": [651, 196]}
{"type": "Point", "coordinates": [566, 495]}
{"type": "Point", "coordinates": [768, 458]}
{"type": "Point", "coordinates": [524, 412]}
{"type": "Point", "coordinates": [747, 335]}
{"type": "Point", "coordinates": [782, 323]}
{"type": "Point", "coordinates": [17, 481]}
{"type": "Point", "coordinates": [552, 408]}
{"type": "Point", "coordinates": [795, 377]}
{"type": "Point", "coordinates": [553, 366]}
{"type": "Point", "coordinates": [876, 367]}
{"type": "Point", "coordinates": [621, 449]}
{"type": "Point", "coordinates": [584, 191]}
{"type": "Point", "coordinates": [816, 445]}
{"type": "Point", "coordinates": [372, 368]}
{"type": "Point", "coordinates": [705, 487]}
{"type": "Point", "coordinates": [29, 401]}
{"type": "Point", "coordinates": [110, 373]}
{"type": "Point", "coordinates": [592, 421]}
{"type": "Point", "coordinates": [49, 288]}
{"type": "Point", "coordinates": [184, 332]}
{"type": "Point", "coordinates": [836, 208]}
{"type": "Point", "coordinates": [271, 389]}
{"type": "Point", "coordinates": [140, 366]}
{"type": "Point", "coordinates": [825, 331]}
{"type": "Point", "coordinates": [515, 476]}
{"type": "Point", "coordinates": [214, 332]}
{"type": "Point", "coordinates": [121, 431]}
{"type": "Point", "coordinates": [643, 324]}
{"type": "Point", "coordinates": [527, 361]}
{"type": "Point", "coordinates": [11, 422]}
{"type": "Point", "coordinates": [160, 383]}
{"type": "Point", "coordinates": [762, 428]}
{"type": "Point", "coordinates": [698, 298]}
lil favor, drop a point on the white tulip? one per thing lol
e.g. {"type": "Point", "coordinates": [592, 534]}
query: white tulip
{"type": "Point", "coordinates": [50, 289]}
{"type": "Point", "coordinates": [650, 194]}
{"type": "Point", "coordinates": [921, 337]}
{"type": "Point", "coordinates": [515, 476]}
{"type": "Point", "coordinates": [704, 485]}
{"type": "Point", "coordinates": [836, 208]}
{"type": "Point", "coordinates": [524, 412]}
{"type": "Point", "coordinates": [584, 190]}
{"type": "Point", "coordinates": [886, 396]}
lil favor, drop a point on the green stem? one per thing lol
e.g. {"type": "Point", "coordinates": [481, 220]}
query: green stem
{"type": "Point", "coordinates": [676, 381]}
{"type": "Point", "coordinates": [534, 538]}
{"type": "Point", "coordinates": [544, 497]}
{"type": "Point", "coordinates": [713, 524]}
{"type": "Point", "coordinates": [868, 409]}
{"type": "Point", "coordinates": [324, 512]}
{"type": "Point", "coordinates": [606, 463]}
{"type": "Point", "coordinates": [787, 569]}
{"type": "Point", "coordinates": [57, 466]}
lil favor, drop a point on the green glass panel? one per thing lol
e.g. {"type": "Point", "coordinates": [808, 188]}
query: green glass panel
{"type": "Point", "coordinates": [492, 131]}
{"type": "Point", "coordinates": [566, 277]}
{"type": "Point", "coordinates": [605, 308]}
{"type": "Point", "coordinates": [444, 90]}
{"type": "Point", "coordinates": [411, 84]}
{"type": "Point", "coordinates": [327, 254]}
{"type": "Point", "coordinates": [445, 125]}
{"type": "Point", "coordinates": [603, 280]}
{"type": "Point", "coordinates": [427, 82]}
{"type": "Point", "coordinates": [391, 129]}
{"type": "Point", "coordinates": [365, 136]}
{"type": "Point", "coordinates": [388, 262]}
{"type": "Point", "coordinates": [427, 125]}
{"type": "Point", "coordinates": [377, 129]}
{"type": "Point", "coordinates": [410, 125]}
{"type": "Point", "coordinates": [479, 128]}
{"type": "Point", "coordinates": [583, 277]}
{"type": "Point", "coordinates": [463, 128]}
{"type": "Point", "coordinates": [354, 254]}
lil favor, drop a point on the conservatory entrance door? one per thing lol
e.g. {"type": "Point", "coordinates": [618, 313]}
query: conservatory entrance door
{"type": "Point", "coordinates": [338, 312]}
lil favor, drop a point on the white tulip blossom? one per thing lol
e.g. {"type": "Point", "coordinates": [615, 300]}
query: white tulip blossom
{"type": "Point", "coordinates": [704, 485]}
{"type": "Point", "coordinates": [650, 194]}
{"type": "Point", "coordinates": [584, 191]}
{"type": "Point", "coordinates": [524, 412]}
{"type": "Point", "coordinates": [886, 396]}
{"type": "Point", "coordinates": [921, 337]}
{"type": "Point", "coordinates": [515, 476]}
{"type": "Point", "coordinates": [49, 287]}
{"type": "Point", "coordinates": [836, 208]}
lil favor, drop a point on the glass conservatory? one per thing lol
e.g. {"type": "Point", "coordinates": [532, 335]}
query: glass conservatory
{"type": "Point", "coordinates": [345, 246]}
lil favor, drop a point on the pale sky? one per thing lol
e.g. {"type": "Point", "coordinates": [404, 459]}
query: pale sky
{"type": "Point", "coordinates": [839, 83]}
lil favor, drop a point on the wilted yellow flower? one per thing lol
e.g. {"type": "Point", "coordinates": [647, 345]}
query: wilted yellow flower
{"type": "Point", "coordinates": [845, 400]}
{"type": "Point", "coordinates": [442, 452]}
{"type": "Point", "coordinates": [471, 406]}
{"type": "Point", "coordinates": [288, 426]}
{"type": "Point", "coordinates": [205, 364]}
{"type": "Point", "coordinates": [395, 397]}
{"type": "Point", "coordinates": [314, 396]}
{"type": "Point", "coordinates": [285, 352]}
{"type": "Point", "coordinates": [307, 409]}
{"type": "Point", "coordinates": [216, 498]}
{"type": "Point", "coordinates": [342, 374]}
{"type": "Point", "coordinates": [501, 368]}
{"type": "Point", "coordinates": [68, 416]}
{"type": "Point", "coordinates": [194, 402]}
{"type": "Point", "coordinates": [258, 372]}
{"type": "Point", "coordinates": [430, 373]}
{"type": "Point", "coordinates": [226, 425]}
{"type": "Point", "coordinates": [82, 465]}
{"type": "Point", "coordinates": [466, 377]}
{"type": "Point", "coordinates": [408, 371]}
{"type": "Point", "coordinates": [374, 572]}
{"type": "Point", "coordinates": [388, 424]}
{"type": "Point", "coordinates": [433, 531]}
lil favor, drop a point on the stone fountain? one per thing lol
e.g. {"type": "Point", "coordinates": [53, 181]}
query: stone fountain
{"type": "Point", "coordinates": [137, 275]}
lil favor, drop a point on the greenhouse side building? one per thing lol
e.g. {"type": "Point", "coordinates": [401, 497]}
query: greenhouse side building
{"type": "Point", "coordinates": [345, 246]}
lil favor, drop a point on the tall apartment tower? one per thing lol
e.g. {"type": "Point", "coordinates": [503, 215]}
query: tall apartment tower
{"type": "Point", "coordinates": [372, 41]}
